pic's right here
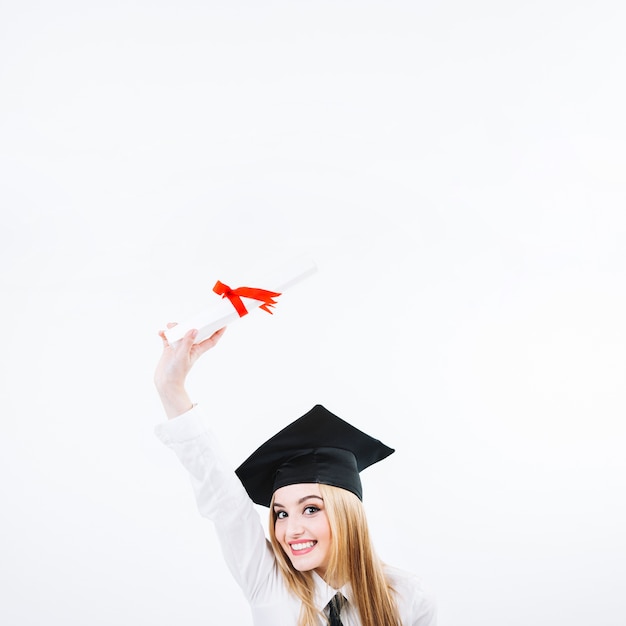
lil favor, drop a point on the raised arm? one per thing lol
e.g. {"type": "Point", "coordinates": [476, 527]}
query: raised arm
{"type": "Point", "coordinates": [175, 363]}
{"type": "Point", "coordinates": [219, 493]}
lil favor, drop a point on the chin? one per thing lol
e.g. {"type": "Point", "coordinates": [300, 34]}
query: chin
{"type": "Point", "coordinates": [308, 567]}
{"type": "Point", "coordinates": [303, 567]}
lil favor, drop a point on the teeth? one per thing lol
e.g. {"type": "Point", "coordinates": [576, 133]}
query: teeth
{"type": "Point", "coordinates": [302, 546]}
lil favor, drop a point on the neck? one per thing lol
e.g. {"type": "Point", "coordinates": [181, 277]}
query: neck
{"type": "Point", "coordinates": [332, 581]}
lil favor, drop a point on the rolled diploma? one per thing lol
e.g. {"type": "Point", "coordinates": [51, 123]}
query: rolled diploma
{"type": "Point", "coordinates": [223, 312]}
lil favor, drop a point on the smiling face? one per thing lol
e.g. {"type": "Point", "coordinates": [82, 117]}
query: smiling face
{"type": "Point", "coordinates": [301, 526]}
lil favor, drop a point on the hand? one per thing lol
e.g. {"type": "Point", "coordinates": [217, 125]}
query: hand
{"type": "Point", "coordinates": [175, 363]}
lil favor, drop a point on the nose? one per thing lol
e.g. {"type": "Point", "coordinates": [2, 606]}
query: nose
{"type": "Point", "coordinates": [294, 528]}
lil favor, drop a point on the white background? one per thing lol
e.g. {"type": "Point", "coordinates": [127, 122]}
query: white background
{"type": "Point", "coordinates": [456, 170]}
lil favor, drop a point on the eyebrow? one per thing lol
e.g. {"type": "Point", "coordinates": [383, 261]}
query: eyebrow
{"type": "Point", "coordinates": [301, 500]}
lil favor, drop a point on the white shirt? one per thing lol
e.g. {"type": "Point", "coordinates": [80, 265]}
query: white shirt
{"type": "Point", "coordinates": [222, 498]}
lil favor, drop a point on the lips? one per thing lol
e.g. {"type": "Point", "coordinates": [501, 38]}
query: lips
{"type": "Point", "coordinates": [302, 547]}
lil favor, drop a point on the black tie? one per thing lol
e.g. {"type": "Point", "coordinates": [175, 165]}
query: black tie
{"type": "Point", "coordinates": [335, 606]}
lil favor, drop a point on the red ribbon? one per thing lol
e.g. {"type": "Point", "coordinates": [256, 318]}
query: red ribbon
{"type": "Point", "coordinates": [235, 295]}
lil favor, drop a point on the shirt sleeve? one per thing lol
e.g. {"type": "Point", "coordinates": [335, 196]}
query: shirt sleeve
{"type": "Point", "coordinates": [427, 614]}
{"type": "Point", "coordinates": [424, 608]}
{"type": "Point", "coordinates": [416, 603]}
{"type": "Point", "coordinates": [221, 497]}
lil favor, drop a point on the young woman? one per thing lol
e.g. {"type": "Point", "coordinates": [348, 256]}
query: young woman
{"type": "Point", "coordinates": [319, 566]}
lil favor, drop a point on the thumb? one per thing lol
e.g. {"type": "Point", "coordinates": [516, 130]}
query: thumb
{"type": "Point", "coordinates": [188, 339]}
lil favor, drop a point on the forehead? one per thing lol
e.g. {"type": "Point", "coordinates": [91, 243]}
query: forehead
{"type": "Point", "coordinates": [290, 494]}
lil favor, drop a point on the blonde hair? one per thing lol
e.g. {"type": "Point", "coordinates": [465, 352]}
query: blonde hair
{"type": "Point", "coordinates": [352, 559]}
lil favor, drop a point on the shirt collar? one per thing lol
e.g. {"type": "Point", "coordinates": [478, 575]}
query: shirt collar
{"type": "Point", "coordinates": [324, 592]}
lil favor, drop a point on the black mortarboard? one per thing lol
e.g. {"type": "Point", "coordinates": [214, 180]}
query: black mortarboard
{"type": "Point", "coordinates": [319, 447]}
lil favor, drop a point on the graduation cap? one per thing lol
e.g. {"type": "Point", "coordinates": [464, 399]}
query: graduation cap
{"type": "Point", "coordinates": [319, 447]}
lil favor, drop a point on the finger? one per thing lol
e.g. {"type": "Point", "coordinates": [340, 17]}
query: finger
{"type": "Point", "coordinates": [205, 344]}
{"type": "Point", "coordinates": [188, 339]}
{"type": "Point", "coordinates": [218, 333]}
{"type": "Point", "coordinates": [164, 339]}
{"type": "Point", "coordinates": [215, 337]}
{"type": "Point", "coordinates": [171, 324]}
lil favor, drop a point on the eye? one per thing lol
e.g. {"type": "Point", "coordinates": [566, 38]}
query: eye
{"type": "Point", "coordinates": [310, 510]}
{"type": "Point", "coordinates": [281, 514]}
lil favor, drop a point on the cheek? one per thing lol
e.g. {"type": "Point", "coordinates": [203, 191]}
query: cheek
{"type": "Point", "coordinates": [279, 532]}
{"type": "Point", "coordinates": [323, 529]}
